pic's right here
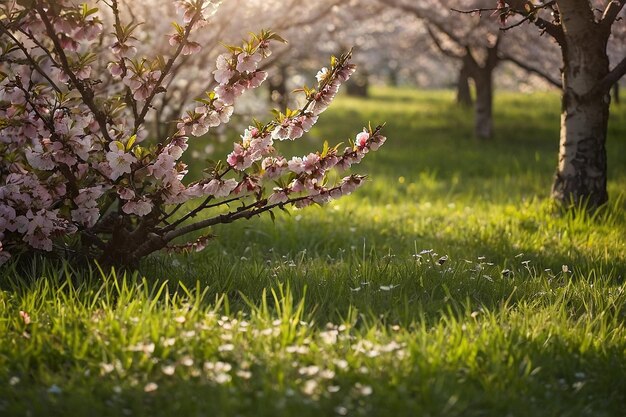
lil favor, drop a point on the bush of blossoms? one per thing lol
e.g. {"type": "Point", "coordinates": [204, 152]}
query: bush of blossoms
{"type": "Point", "coordinates": [78, 176]}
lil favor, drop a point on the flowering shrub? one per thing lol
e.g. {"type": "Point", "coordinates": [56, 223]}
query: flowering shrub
{"type": "Point", "coordinates": [77, 172]}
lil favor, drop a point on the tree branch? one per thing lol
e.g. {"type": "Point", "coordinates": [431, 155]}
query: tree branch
{"type": "Point", "coordinates": [447, 52]}
{"type": "Point", "coordinates": [30, 59]}
{"type": "Point", "coordinates": [165, 72]}
{"type": "Point", "coordinates": [85, 91]}
{"type": "Point", "coordinates": [605, 84]}
{"type": "Point", "coordinates": [529, 68]}
{"type": "Point", "coordinates": [611, 12]}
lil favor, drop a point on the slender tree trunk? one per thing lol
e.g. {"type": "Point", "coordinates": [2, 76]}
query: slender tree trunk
{"type": "Point", "coordinates": [483, 110]}
{"type": "Point", "coordinates": [463, 92]}
{"type": "Point", "coordinates": [358, 86]}
{"type": "Point", "coordinates": [581, 176]}
{"type": "Point", "coordinates": [616, 97]}
{"type": "Point", "coordinates": [278, 88]}
{"type": "Point", "coordinates": [394, 77]}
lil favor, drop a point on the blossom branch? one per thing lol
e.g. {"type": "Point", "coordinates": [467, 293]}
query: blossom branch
{"type": "Point", "coordinates": [165, 72]}
{"type": "Point", "coordinates": [85, 91]}
{"type": "Point", "coordinates": [31, 60]}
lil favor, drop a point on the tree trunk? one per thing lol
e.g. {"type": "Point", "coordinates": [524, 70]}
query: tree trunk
{"type": "Point", "coordinates": [358, 86]}
{"type": "Point", "coordinates": [616, 97]}
{"type": "Point", "coordinates": [463, 92]}
{"type": "Point", "coordinates": [482, 74]}
{"type": "Point", "coordinates": [278, 88]}
{"type": "Point", "coordinates": [483, 110]}
{"type": "Point", "coordinates": [581, 176]}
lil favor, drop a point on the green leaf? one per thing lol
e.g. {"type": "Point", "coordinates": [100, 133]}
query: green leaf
{"type": "Point", "coordinates": [131, 142]}
{"type": "Point", "coordinates": [277, 37]}
{"type": "Point", "coordinates": [119, 145]}
{"type": "Point", "coordinates": [325, 149]}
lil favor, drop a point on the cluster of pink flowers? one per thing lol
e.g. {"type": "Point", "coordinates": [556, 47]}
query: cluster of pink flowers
{"type": "Point", "coordinates": [311, 172]}
{"type": "Point", "coordinates": [71, 164]}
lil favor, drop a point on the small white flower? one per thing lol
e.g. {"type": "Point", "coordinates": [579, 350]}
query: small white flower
{"type": "Point", "coordinates": [150, 387]}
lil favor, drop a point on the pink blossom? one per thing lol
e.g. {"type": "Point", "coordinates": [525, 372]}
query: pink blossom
{"type": "Point", "coordinates": [281, 132]}
{"type": "Point", "coordinates": [126, 193]}
{"type": "Point", "coordinates": [361, 140]}
{"type": "Point", "coordinates": [346, 72]}
{"type": "Point", "coordinates": [66, 158]}
{"type": "Point", "coordinates": [229, 93]}
{"type": "Point", "coordinates": [88, 32]}
{"type": "Point", "coordinates": [248, 185]}
{"type": "Point", "coordinates": [7, 218]}
{"type": "Point", "coordinates": [175, 39]}
{"type": "Point", "coordinates": [224, 110]}
{"type": "Point", "coordinates": [224, 71]}
{"type": "Point", "coordinates": [322, 74]}
{"type": "Point", "coordinates": [219, 188]}
{"type": "Point", "coordinates": [123, 50]}
{"type": "Point", "coordinates": [274, 166]}
{"type": "Point", "coordinates": [255, 80]}
{"type": "Point", "coordinates": [39, 159]}
{"type": "Point", "coordinates": [38, 227]}
{"type": "Point", "coordinates": [248, 63]}
{"type": "Point", "coordinates": [377, 141]}
{"type": "Point", "coordinates": [68, 43]}
{"type": "Point", "coordinates": [322, 198]}
{"type": "Point", "coordinates": [307, 121]}
{"type": "Point", "coordinates": [177, 146]}
{"type": "Point", "coordinates": [164, 168]}
{"type": "Point", "coordinates": [300, 204]}
{"type": "Point", "coordinates": [86, 216]}
{"type": "Point", "coordinates": [296, 165]}
{"type": "Point", "coordinates": [240, 158]}
{"type": "Point", "coordinates": [141, 207]}
{"type": "Point", "coordinates": [310, 163]}
{"type": "Point", "coordinates": [120, 162]}
{"type": "Point", "coordinates": [279, 196]}
{"type": "Point", "coordinates": [191, 48]}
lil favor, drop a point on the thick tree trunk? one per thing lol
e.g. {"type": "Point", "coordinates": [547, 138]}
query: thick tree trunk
{"type": "Point", "coordinates": [463, 92]}
{"type": "Point", "coordinates": [581, 176]}
{"type": "Point", "coordinates": [483, 110]}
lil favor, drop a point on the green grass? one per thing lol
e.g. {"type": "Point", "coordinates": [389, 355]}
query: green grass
{"type": "Point", "coordinates": [345, 309]}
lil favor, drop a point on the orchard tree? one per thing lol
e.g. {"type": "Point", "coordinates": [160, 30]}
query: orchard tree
{"type": "Point", "coordinates": [582, 29]}
{"type": "Point", "coordinates": [79, 173]}
{"type": "Point", "coordinates": [480, 47]}
{"type": "Point", "coordinates": [380, 41]}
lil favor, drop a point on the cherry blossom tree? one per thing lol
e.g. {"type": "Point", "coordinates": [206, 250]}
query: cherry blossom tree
{"type": "Point", "coordinates": [79, 173]}
{"type": "Point", "coordinates": [480, 47]}
{"type": "Point", "coordinates": [583, 30]}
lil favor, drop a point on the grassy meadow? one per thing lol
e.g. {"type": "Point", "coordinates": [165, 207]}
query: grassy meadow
{"type": "Point", "coordinates": [448, 285]}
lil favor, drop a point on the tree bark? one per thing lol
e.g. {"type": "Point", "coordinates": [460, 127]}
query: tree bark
{"type": "Point", "coordinates": [483, 111]}
{"type": "Point", "coordinates": [463, 92]}
{"type": "Point", "coordinates": [482, 74]}
{"type": "Point", "coordinates": [581, 176]}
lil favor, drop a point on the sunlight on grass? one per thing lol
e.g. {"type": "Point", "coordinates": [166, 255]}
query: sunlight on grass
{"type": "Point", "coordinates": [448, 285]}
